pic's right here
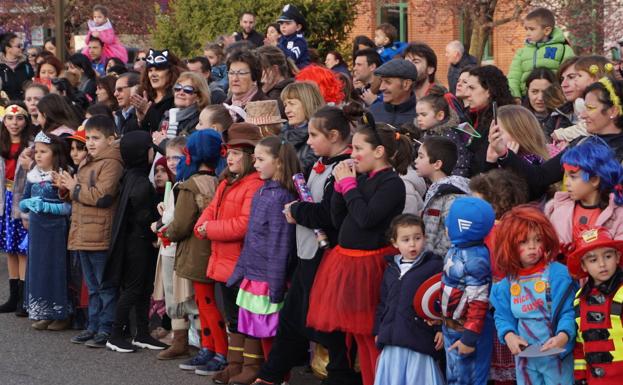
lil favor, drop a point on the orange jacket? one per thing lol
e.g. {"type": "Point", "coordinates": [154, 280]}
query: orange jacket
{"type": "Point", "coordinates": [226, 220]}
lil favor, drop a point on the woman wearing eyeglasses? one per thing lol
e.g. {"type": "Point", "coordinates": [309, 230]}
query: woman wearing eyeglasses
{"type": "Point", "coordinates": [14, 67]}
{"type": "Point", "coordinates": [245, 74]}
{"type": "Point", "coordinates": [157, 80]}
{"type": "Point", "coordinates": [190, 95]}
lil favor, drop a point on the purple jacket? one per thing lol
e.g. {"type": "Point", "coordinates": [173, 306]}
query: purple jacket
{"type": "Point", "coordinates": [268, 243]}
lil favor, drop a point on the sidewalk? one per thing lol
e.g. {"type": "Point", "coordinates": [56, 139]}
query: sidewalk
{"type": "Point", "coordinates": [31, 357]}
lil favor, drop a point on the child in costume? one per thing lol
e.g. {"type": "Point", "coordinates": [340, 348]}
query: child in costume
{"type": "Point", "coordinates": [594, 196]}
{"type": "Point", "coordinates": [409, 344]}
{"type": "Point", "coordinates": [533, 304]}
{"type": "Point", "coordinates": [292, 24]}
{"type": "Point", "coordinates": [46, 293]}
{"type": "Point", "coordinates": [465, 285]}
{"type": "Point", "coordinates": [329, 138]}
{"type": "Point", "coordinates": [15, 135]}
{"type": "Point", "coordinates": [597, 358]}
{"type": "Point", "coordinates": [346, 289]}
{"type": "Point", "coordinates": [101, 28]}
{"type": "Point", "coordinates": [261, 271]}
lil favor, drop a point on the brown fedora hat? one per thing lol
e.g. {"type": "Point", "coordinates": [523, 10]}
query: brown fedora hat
{"type": "Point", "coordinates": [240, 134]}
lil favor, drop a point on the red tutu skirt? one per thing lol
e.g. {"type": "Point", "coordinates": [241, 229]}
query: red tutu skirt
{"type": "Point", "coordinates": [347, 290]}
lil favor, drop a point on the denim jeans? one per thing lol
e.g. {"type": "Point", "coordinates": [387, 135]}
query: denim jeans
{"type": "Point", "coordinates": [102, 302]}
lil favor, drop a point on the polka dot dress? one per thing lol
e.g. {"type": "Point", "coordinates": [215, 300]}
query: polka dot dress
{"type": "Point", "coordinates": [12, 232]}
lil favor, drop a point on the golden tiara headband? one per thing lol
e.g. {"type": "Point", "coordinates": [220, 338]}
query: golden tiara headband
{"type": "Point", "coordinates": [14, 109]}
{"type": "Point", "coordinates": [616, 101]}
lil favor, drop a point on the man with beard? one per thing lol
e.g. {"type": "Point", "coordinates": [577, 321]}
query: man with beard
{"type": "Point", "coordinates": [425, 60]}
{"type": "Point", "coordinates": [398, 79]}
{"type": "Point", "coordinates": [247, 23]}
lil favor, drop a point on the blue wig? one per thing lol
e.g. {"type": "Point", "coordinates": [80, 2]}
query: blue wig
{"type": "Point", "coordinates": [595, 158]}
{"type": "Point", "coordinates": [202, 147]}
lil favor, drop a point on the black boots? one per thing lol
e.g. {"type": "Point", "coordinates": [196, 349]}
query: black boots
{"type": "Point", "coordinates": [20, 311]}
{"type": "Point", "coordinates": [11, 304]}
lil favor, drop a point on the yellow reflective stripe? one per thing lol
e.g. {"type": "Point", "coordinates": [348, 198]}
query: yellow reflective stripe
{"type": "Point", "coordinates": [618, 297]}
{"type": "Point", "coordinates": [579, 364]}
{"type": "Point", "coordinates": [260, 356]}
{"type": "Point", "coordinates": [617, 353]}
{"type": "Point", "coordinates": [236, 349]}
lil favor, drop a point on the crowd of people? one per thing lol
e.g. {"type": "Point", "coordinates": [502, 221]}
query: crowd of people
{"type": "Point", "coordinates": [254, 201]}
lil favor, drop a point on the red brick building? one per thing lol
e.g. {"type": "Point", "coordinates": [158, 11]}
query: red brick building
{"type": "Point", "coordinates": [413, 21]}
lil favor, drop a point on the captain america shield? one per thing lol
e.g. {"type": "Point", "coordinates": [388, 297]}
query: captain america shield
{"type": "Point", "coordinates": [426, 301]}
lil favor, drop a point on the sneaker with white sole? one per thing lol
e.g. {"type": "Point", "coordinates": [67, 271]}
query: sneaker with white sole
{"type": "Point", "coordinates": [202, 358]}
{"type": "Point", "coordinates": [216, 364]}
{"type": "Point", "coordinates": [120, 345]}
{"type": "Point", "coordinates": [148, 342]}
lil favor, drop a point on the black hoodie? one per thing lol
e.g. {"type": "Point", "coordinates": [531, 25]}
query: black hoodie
{"type": "Point", "coordinates": [137, 205]}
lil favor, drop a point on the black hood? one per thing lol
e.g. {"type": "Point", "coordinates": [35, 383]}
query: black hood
{"type": "Point", "coordinates": [135, 147]}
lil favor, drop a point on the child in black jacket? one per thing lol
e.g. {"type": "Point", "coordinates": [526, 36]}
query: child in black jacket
{"type": "Point", "coordinates": [409, 345]}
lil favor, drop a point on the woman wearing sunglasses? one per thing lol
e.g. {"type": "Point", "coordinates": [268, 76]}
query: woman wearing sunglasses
{"type": "Point", "coordinates": [190, 95]}
{"type": "Point", "coordinates": [604, 120]}
{"type": "Point", "coordinates": [14, 67]}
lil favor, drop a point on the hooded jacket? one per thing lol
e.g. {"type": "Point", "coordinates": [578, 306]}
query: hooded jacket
{"type": "Point", "coordinates": [448, 130]}
{"type": "Point", "coordinates": [549, 54]}
{"type": "Point", "coordinates": [226, 219]}
{"type": "Point", "coordinates": [136, 210]}
{"type": "Point", "coordinates": [94, 200]}
{"type": "Point", "coordinates": [396, 322]}
{"type": "Point", "coordinates": [466, 279]}
{"type": "Point", "coordinates": [12, 80]}
{"type": "Point", "coordinates": [437, 202]}
{"type": "Point", "coordinates": [559, 210]}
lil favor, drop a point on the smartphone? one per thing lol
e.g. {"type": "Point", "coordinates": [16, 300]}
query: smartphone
{"type": "Point", "coordinates": [494, 104]}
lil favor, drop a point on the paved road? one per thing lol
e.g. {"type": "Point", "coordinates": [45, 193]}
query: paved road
{"type": "Point", "coordinates": [30, 357]}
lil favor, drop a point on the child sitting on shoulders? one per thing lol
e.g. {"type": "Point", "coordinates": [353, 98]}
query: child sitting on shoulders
{"type": "Point", "coordinates": [385, 39]}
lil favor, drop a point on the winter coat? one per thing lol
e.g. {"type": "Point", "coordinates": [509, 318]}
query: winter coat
{"type": "Point", "coordinates": [135, 212]}
{"type": "Point", "coordinates": [226, 219]}
{"type": "Point", "coordinates": [454, 71]}
{"type": "Point", "coordinates": [342, 68]}
{"type": "Point", "coordinates": [549, 54]}
{"type": "Point", "coordinates": [94, 200]}
{"type": "Point", "coordinates": [415, 188]}
{"type": "Point", "coordinates": [112, 46]}
{"type": "Point", "coordinates": [192, 254]}
{"type": "Point", "coordinates": [297, 137]}
{"type": "Point", "coordinates": [448, 130]}
{"type": "Point", "coordinates": [559, 281]}
{"type": "Point", "coordinates": [438, 200]}
{"type": "Point", "coordinates": [12, 80]}
{"type": "Point", "coordinates": [540, 177]}
{"type": "Point", "coordinates": [187, 119]}
{"type": "Point", "coordinates": [396, 322]}
{"type": "Point", "coordinates": [387, 53]}
{"type": "Point", "coordinates": [395, 115]}
{"type": "Point", "coordinates": [254, 37]}
{"type": "Point", "coordinates": [559, 210]}
{"type": "Point", "coordinates": [561, 117]}
{"type": "Point", "coordinates": [155, 113]}
{"type": "Point", "coordinates": [269, 242]}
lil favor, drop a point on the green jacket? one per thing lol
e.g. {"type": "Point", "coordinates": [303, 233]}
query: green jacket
{"type": "Point", "coordinates": [549, 54]}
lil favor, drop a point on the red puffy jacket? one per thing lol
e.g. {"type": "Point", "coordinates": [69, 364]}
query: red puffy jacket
{"type": "Point", "coordinates": [226, 220]}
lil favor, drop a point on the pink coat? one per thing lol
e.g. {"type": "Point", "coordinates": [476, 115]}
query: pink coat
{"type": "Point", "coordinates": [112, 44]}
{"type": "Point", "coordinates": [559, 210]}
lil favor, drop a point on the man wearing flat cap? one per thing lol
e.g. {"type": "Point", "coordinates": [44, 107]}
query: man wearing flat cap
{"type": "Point", "coordinates": [398, 78]}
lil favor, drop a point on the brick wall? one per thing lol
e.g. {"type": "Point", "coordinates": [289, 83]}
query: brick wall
{"type": "Point", "coordinates": [437, 26]}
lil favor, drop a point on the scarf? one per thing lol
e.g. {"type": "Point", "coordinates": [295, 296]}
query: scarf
{"type": "Point", "coordinates": [177, 115]}
{"type": "Point", "coordinates": [12, 64]}
{"type": "Point", "coordinates": [242, 100]}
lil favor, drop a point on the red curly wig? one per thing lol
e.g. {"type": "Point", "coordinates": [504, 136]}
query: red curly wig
{"type": "Point", "coordinates": [331, 86]}
{"type": "Point", "coordinates": [514, 227]}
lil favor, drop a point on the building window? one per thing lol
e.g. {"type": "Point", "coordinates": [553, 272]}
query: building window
{"type": "Point", "coordinates": [394, 13]}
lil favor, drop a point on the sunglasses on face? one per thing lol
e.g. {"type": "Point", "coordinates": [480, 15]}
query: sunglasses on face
{"type": "Point", "coordinates": [141, 58]}
{"type": "Point", "coordinates": [188, 90]}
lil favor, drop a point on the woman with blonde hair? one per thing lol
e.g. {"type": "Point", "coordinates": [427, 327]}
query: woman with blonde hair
{"type": "Point", "coordinates": [190, 95]}
{"type": "Point", "coordinates": [301, 100]}
{"type": "Point", "coordinates": [522, 131]}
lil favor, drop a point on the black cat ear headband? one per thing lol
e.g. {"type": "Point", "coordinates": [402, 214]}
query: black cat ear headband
{"type": "Point", "coordinates": [158, 59]}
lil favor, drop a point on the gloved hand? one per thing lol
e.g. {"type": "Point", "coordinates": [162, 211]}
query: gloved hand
{"type": "Point", "coordinates": [41, 206]}
{"type": "Point", "coordinates": [28, 204]}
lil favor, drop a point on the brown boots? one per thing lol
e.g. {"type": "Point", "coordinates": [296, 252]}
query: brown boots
{"type": "Point", "coordinates": [179, 347]}
{"type": "Point", "coordinates": [234, 359]}
{"type": "Point", "coordinates": [253, 358]}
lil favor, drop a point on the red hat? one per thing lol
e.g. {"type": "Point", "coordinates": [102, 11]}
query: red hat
{"type": "Point", "coordinates": [589, 239]}
{"type": "Point", "coordinates": [80, 135]}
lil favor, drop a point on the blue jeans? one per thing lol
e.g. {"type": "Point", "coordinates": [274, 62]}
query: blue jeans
{"type": "Point", "coordinates": [473, 368]}
{"type": "Point", "coordinates": [102, 302]}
